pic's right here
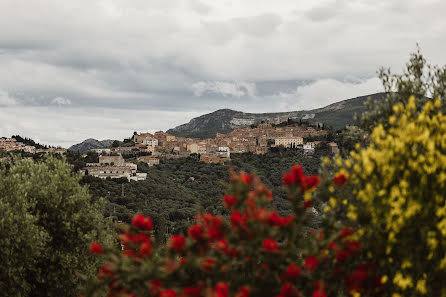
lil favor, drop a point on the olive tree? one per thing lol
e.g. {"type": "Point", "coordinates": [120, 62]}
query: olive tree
{"type": "Point", "coordinates": [47, 220]}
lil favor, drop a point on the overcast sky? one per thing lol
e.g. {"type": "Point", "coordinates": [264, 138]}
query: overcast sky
{"type": "Point", "coordinates": [75, 69]}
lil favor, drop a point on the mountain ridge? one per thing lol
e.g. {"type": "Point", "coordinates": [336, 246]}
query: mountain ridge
{"type": "Point", "coordinates": [89, 144]}
{"type": "Point", "coordinates": [337, 115]}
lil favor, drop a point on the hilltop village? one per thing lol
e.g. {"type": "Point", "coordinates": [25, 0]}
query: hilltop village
{"type": "Point", "coordinates": [149, 148]}
{"type": "Point", "coordinates": [12, 144]}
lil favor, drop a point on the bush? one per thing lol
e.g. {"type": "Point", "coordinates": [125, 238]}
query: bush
{"type": "Point", "coordinates": [46, 224]}
{"type": "Point", "coordinates": [253, 252]}
{"type": "Point", "coordinates": [397, 199]}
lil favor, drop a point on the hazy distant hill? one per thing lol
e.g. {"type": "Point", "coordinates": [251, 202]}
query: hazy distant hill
{"type": "Point", "coordinates": [90, 144]}
{"type": "Point", "coordinates": [337, 115]}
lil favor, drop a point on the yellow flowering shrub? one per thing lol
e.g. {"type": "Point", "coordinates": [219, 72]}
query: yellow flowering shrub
{"type": "Point", "coordinates": [397, 190]}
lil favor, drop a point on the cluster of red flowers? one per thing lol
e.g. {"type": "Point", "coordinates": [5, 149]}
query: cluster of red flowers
{"type": "Point", "coordinates": [297, 177]}
{"type": "Point", "coordinates": [251, 243]}
{"type": "Point", "coordinates": [340, 180]}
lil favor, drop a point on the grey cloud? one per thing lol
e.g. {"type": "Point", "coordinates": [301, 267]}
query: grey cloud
{"type": "Point", "coordinates": [6, 99]}
{"type": "Point", "coordinates": [61, 101]}
{"type": "Point", "coordinates": [259, 25]}
{"type": "Point", "coordinates": [327, 11]}
{"type": "Point", "coordinates": [147, 54]}
{"type": "Point", "coordinates": [200, 7]}
{"type": "Point", "coordinates": [235, 89]}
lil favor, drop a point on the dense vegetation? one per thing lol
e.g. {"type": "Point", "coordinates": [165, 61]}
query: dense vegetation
{"type": "Point", "coordinates": [29, 141]}
{"type": "Point", "coordinates": [47, 221]}
{"type": "Point", "coordinates": [176, 189]}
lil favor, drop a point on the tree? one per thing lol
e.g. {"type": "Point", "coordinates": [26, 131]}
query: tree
{"type": "Point", "coordinates": [47, 221]}
{"type": "Point", "coordinates": [420, 79]}
{"type": "Point", "coordinates": [115, 143]}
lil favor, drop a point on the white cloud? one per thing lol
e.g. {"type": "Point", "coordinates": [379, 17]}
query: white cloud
{"type": "Point", "coordinates": [50, 126]}
{"type": "Point", "coordinates": [61, 101]}
{"type": "Point", "coordinates": [326, 91]}
{"type": "Point", "coordinates": [235, 89]}
{"type": "Point", "coordinates": [6, 99]}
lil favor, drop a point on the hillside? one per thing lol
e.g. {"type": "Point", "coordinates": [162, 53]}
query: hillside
{"type": "Point", "coordinates": [337, 115]}
{"type": "Point", "coordinates": [90, 144]}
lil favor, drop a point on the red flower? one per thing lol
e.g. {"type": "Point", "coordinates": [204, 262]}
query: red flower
{"type": "Point", "coordinates": [196, 232]}
{"type": "Point", "coordinates": [311, 263]}
{"type": "Point", "coordinates": [346, 232]}
{"type": "Point", "coordinates": [260, 214]}
{"type": "Point", "coordinates": [142, 238]}
{"type": "Point", "coordinates": [343, 255]}
{"type": "Point", "coordinates": [309, 182]}
{"type": "Point", "coordinates": [319, 293]}
{"type": "Point", "coordinates": [353, 245]}
{"type": "Point", "coordinates": [288, 179]}
{"type": "Point", "coordinates": [191, 292]}
{"type": "Point", "coordinates": [286, 221]}
{"type": "Point", "coordinates": [208, 264]}
{"type": "Point", "coordinates": [244, 291]}
{"type": "Point", "coordinates": [307, 203]}
{"type": "Point", "coordinates": [229, 201]}
{"type": "Point", "coordinates": [177, 242]}
{"type": "Point", "coordinates": [104, 270]}
{"type": "Point", "coordinates": [96, 248]}
{"type": "Point", "coordinates": [237, 220]}
{"type": "Point", "coordinates": [168, 293]}
{"type": "Point", "coordinates": [319, 285]}
{"type": "Point", "coordinates": [293, 271]}
{"type": "Point", "coordinates": [287, 290]}
{"type": "Point", "coordinates": [222, 245]}
{"type": "Point", "coordinates": [155, 287]}
{"type": "Point", "coordinates": [270, 245]}
{"type": "Point", "coordinates": [145, 250]}
{"type": "Point", "coordinates": [296, 176]}
{"type": "Point", "coordinates": [246, 178]}
{"type": "Point", "coordinates": [333, 245]}
{"type": "Point", "coordinates": [213, 225]}
{"type": "Point", "coordinates": [360, 275]}
{"type": "Point", "coordinates": [340, 180]}
{"type": "Point", "coordinates": [129, 253]}
{"type": "Point", "coordinates": [274, 219]}
{"type": "Point", "coordinates": [141, 222]}
{"type": "Point", "coordinates": [297, 172]}
{"type": "Point", "coordinates": [221, 290]}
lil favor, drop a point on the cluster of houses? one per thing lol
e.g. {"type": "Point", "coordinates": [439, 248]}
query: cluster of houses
{"type": "Point", "coordinates": [114, 167]}
{"type": "Point", "coordinates": [212, 150]}
{"type": "Point", "coordinates": [11, 144]}
{"type": "Point", "coordinates": [217, 150]}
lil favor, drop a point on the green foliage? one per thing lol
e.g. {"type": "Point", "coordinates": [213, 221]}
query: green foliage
{"type": "Point", "coordinates": [46, 223]}
{"type": "Point", "coordinates": [174, 191]}
{"type": "Point", "coordinates": [177, 189]}
{"type": "Point", "coordinates": [396, 196]}
{"type": "Point", "coordinates": [419, 79]}
{"type": "Point", "coordinates": [252, 252]}
{"type": "Point", "coordinates": [29, 141]}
